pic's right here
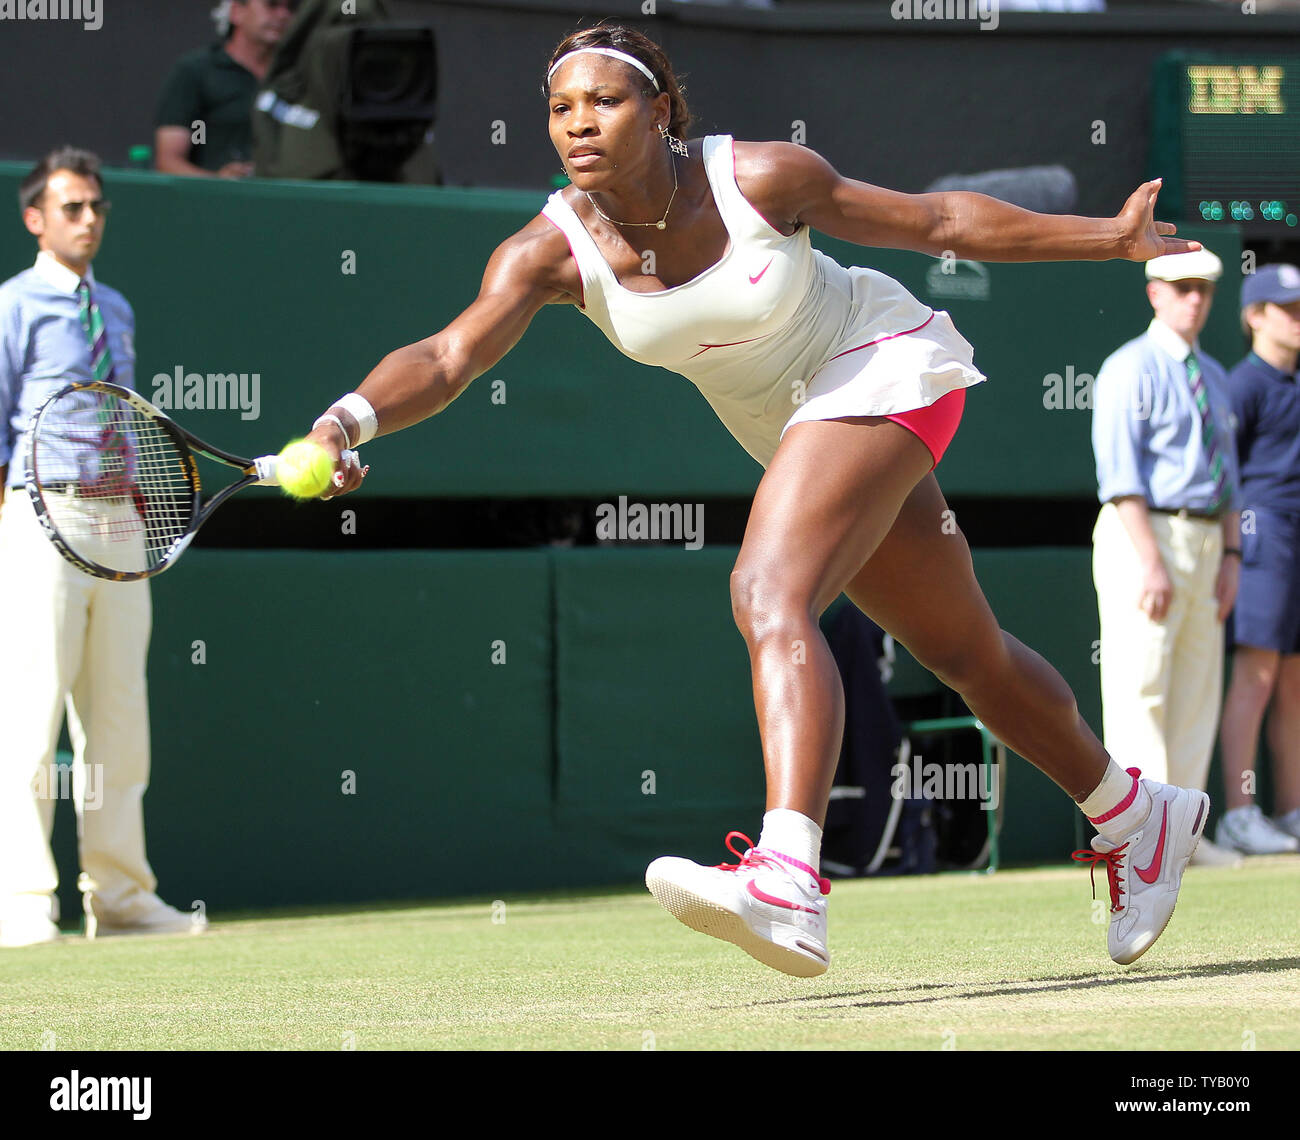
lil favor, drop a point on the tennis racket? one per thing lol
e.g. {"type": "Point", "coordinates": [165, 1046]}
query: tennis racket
{"type": "Point", "coordinates": [115, 482]}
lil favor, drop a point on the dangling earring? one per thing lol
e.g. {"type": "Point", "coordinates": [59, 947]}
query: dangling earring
{"type": "Point", "coordinates": [674, 144]}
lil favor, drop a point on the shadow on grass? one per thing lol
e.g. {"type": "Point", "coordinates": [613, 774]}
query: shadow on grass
{"type": "Point", "coordinates": [614, 893]}
{"type": "Point", "coordinates": [1005, 988]}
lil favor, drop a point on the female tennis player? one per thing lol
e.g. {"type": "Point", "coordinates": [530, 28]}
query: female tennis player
{"type": "Point", "coordinates": [847, 390]}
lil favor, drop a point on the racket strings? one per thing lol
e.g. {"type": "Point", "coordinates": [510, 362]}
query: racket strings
{"type": "Point", "coordinates": [115, 484]}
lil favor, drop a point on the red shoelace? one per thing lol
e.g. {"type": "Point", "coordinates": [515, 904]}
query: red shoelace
{"type": "Point", "coordinates": [1114, 861]}
{"type": "Point", "coordinates": [753, 857]}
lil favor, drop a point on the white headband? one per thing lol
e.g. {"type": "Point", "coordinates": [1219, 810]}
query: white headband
{"type": "Point", "coordinates": [613, 53]}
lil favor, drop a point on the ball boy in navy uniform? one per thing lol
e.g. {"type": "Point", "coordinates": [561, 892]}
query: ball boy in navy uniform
{"type": "Point", "coordinates": [1266, 404]}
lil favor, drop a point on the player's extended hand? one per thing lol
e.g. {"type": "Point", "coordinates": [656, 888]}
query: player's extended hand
{"type": "Point", "coordinates": [347, 474]}
{"type": "Point", "coordinates": [1143, 237]}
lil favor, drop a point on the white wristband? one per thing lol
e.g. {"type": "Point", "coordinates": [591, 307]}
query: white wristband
{"type": "Point", "coordinates": [338, 423]}
{"type": "Point", "coordinates": [358, 407]}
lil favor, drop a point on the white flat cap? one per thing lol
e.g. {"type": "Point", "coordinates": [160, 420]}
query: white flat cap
{"type": "Point", "coordinates": [1200, 263]}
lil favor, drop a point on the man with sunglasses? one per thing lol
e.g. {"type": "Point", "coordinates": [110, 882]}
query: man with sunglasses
{"type": "Point", "coordinates": [215, 86]}
{"type": "Point", "coordinates": [67, 640]}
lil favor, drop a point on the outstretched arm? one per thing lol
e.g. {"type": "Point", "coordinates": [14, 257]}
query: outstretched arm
{"type": "Point", "coordinates": [413, 383]}
{"type": "Point", "coordinates": [799, 186]}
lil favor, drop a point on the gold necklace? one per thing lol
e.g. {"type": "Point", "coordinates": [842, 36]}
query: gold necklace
{"type": "Point", "coordinates": [662, 223]}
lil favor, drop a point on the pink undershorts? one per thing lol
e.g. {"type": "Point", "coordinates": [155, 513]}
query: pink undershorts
{"type": "Point", "coordinates": [936, 425]}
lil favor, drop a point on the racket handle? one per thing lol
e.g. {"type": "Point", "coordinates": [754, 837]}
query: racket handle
{"type": "Point", "coordinates": [266, 465]}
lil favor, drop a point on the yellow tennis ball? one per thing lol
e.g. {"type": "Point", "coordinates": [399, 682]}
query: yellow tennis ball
{"type": "Point", "coordinates": [304, 469]}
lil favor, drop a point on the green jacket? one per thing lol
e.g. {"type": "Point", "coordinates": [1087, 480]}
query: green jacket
{"type": "Point", "coordinates": [295, 116]}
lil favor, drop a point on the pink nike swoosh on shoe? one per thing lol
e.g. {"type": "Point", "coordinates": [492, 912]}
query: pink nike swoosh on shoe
{"type": "Point", "coordinates": [788, 936]}
{"type": "Point", "coordinates": [1142, 906]}
{"type": "Point", "coordinates": [1151, 872]}
{"type": "Point", "coordinates": [763, 896]}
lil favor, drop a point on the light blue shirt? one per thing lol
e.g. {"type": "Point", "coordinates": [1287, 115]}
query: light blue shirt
{"type": "Point", "coordinates": [43, 347]}
{"type": "Point", "coordinates": [1147, 430]}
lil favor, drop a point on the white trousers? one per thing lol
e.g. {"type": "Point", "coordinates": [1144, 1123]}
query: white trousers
{"type": "Point", "coordinates": [1161, 681]}
{"type": "Point", "coordinates": [70, 641]}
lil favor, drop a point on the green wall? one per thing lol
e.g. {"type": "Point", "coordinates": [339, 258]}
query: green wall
{"type": "Point", "coordinates": [247, 278]}
{"type": "Point", "coordinates": [621, 665]}
{"type": "Point", "coordinates": [616, 724]}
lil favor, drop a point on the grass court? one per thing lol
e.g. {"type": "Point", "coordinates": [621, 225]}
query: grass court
{"type": "Point", "coordinates": [968, 961]}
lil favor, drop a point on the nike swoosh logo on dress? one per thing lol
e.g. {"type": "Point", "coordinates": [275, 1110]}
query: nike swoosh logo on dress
{"type": "Point", "coordinates": [1151, 872]}
{"type": "Point", "coordinates": [754, 280]}
{"type": "Point", "coordinates": [730, 344]}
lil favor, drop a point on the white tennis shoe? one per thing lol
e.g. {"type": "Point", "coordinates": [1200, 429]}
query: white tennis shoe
{"type": "Point", "coordinates": [25, 921]}
{"type": "Point", "coordinates": [1145, 870]}
{"type": "Point", "coordinates": [772, 906]}
{"type": "Point", "coordinates": [1290, 823]}
{"type": "Point", "coordinates": [147, 914]}
{"type": "Point", "coordinates": [1250, 831]}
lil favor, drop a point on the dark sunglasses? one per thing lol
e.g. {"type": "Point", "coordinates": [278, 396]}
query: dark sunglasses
{"type": "Point", "coordinates": [73, 210]}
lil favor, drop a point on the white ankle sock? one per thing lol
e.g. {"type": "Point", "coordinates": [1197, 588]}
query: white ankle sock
{"type": "Point", "coordinates": [792, 833]}
{"type": "Point", "coordinates": [1118, 804]}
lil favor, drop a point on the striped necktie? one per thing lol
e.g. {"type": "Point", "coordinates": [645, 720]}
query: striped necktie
{"type": "Point", "coordinates": [1209, 436]}
{"type": "Point", "coordinates": [92, 321]}
{"type": "Point", "coordinates": [115, 466]}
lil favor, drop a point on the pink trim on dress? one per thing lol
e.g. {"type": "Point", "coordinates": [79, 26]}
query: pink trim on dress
{"type": "Point", "coordinates": [582, 288]}
{"type": "Point", "coordinates": [881, 340]}
{"type": "Point", "coordinates": [750, 204]}
{"type": "Point", "coordinates": [730, 344]}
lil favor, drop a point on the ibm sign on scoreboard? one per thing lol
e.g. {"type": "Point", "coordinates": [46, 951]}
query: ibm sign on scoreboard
{"type": "Point", "coordinates": [1226, 138]}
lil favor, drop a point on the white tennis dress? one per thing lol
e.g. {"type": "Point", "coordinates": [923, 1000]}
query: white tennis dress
{"type": "Point", "coordinates": [776, 332]}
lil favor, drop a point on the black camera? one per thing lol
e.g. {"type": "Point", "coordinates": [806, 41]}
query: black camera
{"type": "Point", "coordinates": [347, 98]}
{"type": "Point", "coordinates": [389, 99]}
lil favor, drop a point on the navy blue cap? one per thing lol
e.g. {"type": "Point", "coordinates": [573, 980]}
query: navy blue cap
{"type": "Point", "coordinates": [1277, 283]}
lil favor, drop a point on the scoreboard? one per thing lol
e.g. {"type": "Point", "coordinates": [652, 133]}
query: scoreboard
{"type": "Point", "coordinates": [1226, 137]}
